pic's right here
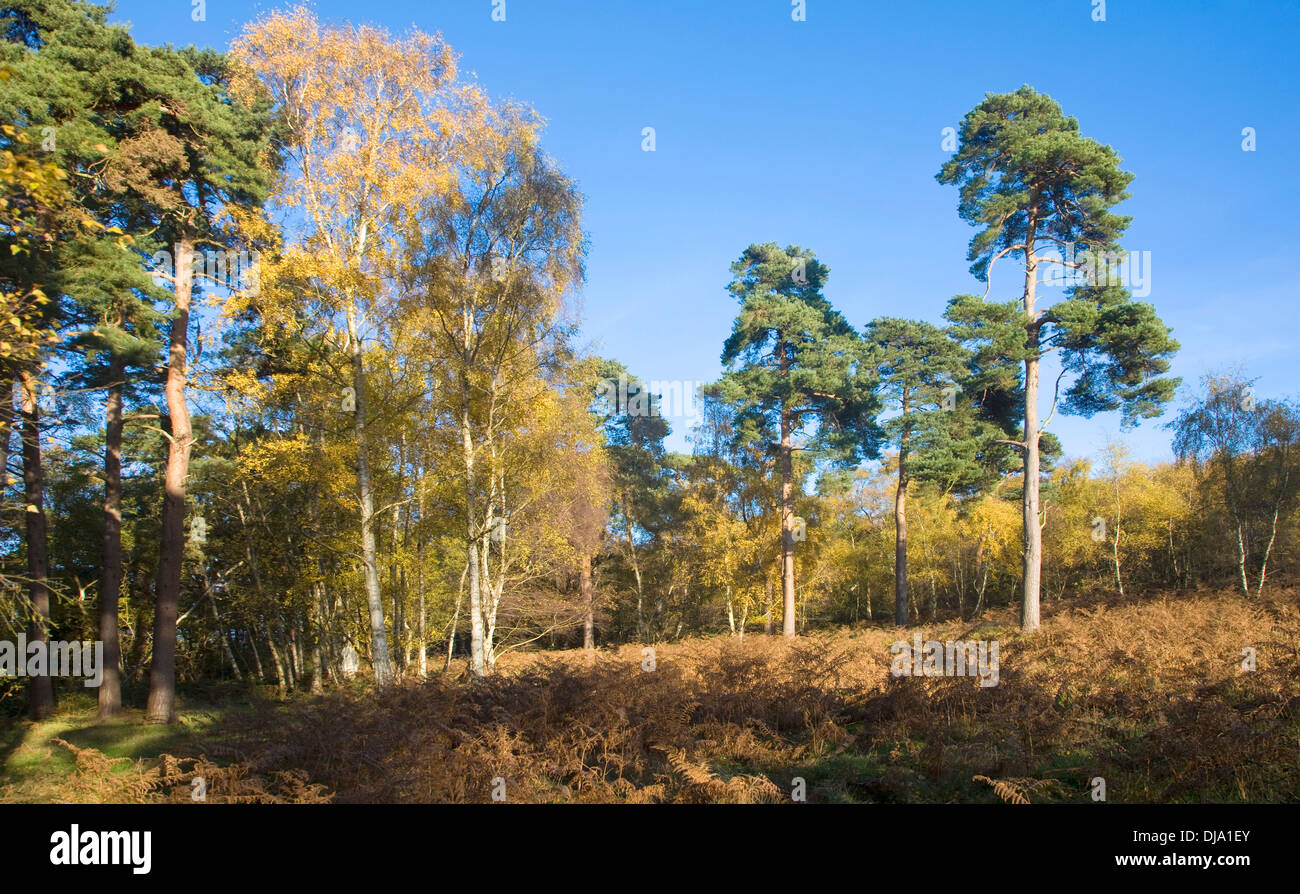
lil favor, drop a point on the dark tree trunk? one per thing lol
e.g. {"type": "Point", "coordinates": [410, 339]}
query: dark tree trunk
{"type": "Point", "coordinates": [225, 642]}
{"type": "Point", "coordinates": [110, 581]}
{"type": "Point", "coordinates": [40, 702]}
{"type": "Point", "coordinates": [6, 428]}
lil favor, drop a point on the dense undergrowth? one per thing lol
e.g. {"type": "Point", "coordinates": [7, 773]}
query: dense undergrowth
{"type": "Point", "coordinates": [1149, 695]}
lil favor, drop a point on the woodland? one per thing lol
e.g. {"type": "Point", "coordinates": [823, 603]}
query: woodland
{"type": "Point", "coordinates": [297, 422]}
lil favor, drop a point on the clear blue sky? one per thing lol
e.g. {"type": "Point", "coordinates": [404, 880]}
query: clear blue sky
{"type": "Point", "coordinates": [827, 133]}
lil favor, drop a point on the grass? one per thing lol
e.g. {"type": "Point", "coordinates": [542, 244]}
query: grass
{"type": "Point", "coordinates": [1148, 694]}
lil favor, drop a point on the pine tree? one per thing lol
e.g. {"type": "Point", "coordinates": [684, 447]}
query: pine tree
{"type": "Point", "coordinates": [77, 87]}
{"type": "Point", "coordinates": [200, 155]}
{"type": "Point", "coordinates": [634, 442]}
{"type": "Point", "coordinates": [795, 366]}
{"type": "Point", "coordinates": [915, 363]}
{"type": "Point", "coordinates": [1031, 182]}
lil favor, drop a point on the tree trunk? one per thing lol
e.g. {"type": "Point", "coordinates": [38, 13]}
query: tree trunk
{"type": "Point", "coordinates": [395, 585]}
{"type": "Point", "coordinates": [588, 605]}
{"type": "Point", "coordinates": [1241, 560]}
{"type": "Point", "coordinates": [731, 613]}
{"type": "Point", "coordinates": [1268, 550]}
{"type": "Point", "coordinates": [295, 655]}
{"type": "Point", "coordinates": [424, 642]}
{"type": "Point", "coordinates": [455, 619]}
{"type": "Point", "coordinates": [981, 563]}
{"type": "Point", "coordinates": [787, 527]}
{"type": "Point", "coordinates": [161, 707]}
{"type": "Point", "coordinates": [317, 633]}
{"type": "Point", "coordinates": [221, 634]}
{"type": "Point", "coordinates": [244, 507]}
{"type": "Point", "coordinates": [1033, 531]}
{"type": "Point", "coordinates": [257, 659]}
{"type": "Point", "coordinates": [636, 572]}
{"type": "Point", "coordinates": [471, 534]}
{"type": "Point", "coordinates": [378, 636]}
{"type": "Point", "coordinates": [1119, 579]}
{"type": "Point", "coordinates": [41, 689]}
{"type": "Point", "coordinates": [767, 602]}
{"type": "Point", "coordinates": [281, 677]}
{"type": "Point", "coordinates": [6, 428]}
{"type": "Point", "coordinates": [900, 535]}
{"type": "Point", "coordinates": [110, 580]}
{"type": "Point", "coordinates": [1285, 466]}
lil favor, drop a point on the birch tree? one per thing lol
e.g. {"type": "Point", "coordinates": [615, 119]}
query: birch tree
{"type": "Point", "coordinates": [492, 264]}
{"type": "Point", "coordinates": [372, 125]}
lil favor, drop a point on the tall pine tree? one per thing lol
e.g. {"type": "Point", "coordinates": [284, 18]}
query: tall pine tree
{"type": "Point", "coordinates": [1040, 191]}
{"type": "Point", "coordinates": [795, 366]}
{"type": "Point", "coordinates": [915, 362]}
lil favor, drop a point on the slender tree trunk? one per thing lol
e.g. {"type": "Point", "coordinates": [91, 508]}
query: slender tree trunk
{"type": "Point", "coordinates": [1033, 531]}
{"type": "Point", "coordinates": [110, 580]}
{"type": "Point", "coordinates": [455, 618]}
{"type": "Point", "coordinates": [424, 641]}
{"type": "Point", "coordinates": [281, 676]}
{"type": "Point", "coordinates": [6, 426]}
{"type": "Point", "coordinates": [221, 634]}
{"type": "Point", "coordinates": [257, 659]}
{"type": "Point", "coordinates": [141, 647]}
{"type": "Point", "coordinates": [981, 563]}
{"type": "Point", "coordinates": [316, 623]}
{"type": "Point", "coordinates": [317, 669]}
{"type": "Point", "coordinates": [1119, 579]}
{"type": "Point", "coordinates": [731, 613]}
{"type": "Point", "coordinates": [245, 509]}
{"type": "Point", "coordinates": [1285, 465]}
{"type": "Point", "coordinates": [636, 573]}
{"type": "Point", "coordinates": [161, 707]}
{"type": "Point", "coordinates": [369, 560]}
{"type": "Point", "coordinates": [494, 589]}
{"type": "Point", "coordinates": [471, 535]}
{"type": "Point", "coordinates": [295, 655]}
{"type": "Point", "coordinates": [588, 605]}
{"type": "Point", "coordinates": [787, 528]}
{"type": "Point", "coordinates": [41, 688]}
{"type": "Point", "coordinates": [394, 575]}
{"type": "Point", "coordinates": [1268, 550]}
{"type": "Point", "coordinates": [767, 602]}
{"type": "Point", "coordinates": [900, 536]}
{"type": "Point", "coordinates": [1173, 555]}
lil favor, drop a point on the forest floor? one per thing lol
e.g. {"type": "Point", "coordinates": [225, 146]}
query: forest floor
{"type": "Point", "coordinates": [1148, 694]}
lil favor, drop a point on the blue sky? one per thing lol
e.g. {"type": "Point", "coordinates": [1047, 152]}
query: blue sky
{"type": "Point", "coordinates": [827, 133]}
